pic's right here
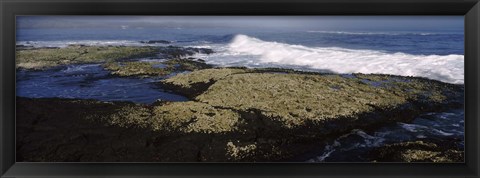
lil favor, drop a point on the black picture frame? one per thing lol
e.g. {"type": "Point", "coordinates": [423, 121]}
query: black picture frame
{"type": "Point", "coordinates": [11, 8]}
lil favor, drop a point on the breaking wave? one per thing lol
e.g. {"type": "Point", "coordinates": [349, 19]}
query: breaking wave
{"type": "Point", "coordinates": [253, 52]}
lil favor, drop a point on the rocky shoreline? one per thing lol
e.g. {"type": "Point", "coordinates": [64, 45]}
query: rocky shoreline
{"type": "Point", "coordinates": [235, 114]}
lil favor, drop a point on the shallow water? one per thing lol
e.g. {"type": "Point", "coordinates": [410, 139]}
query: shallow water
{"type": "Point", "coordinates": [355, 145]}
{"type": "Point", "coordinates": [90, 81]}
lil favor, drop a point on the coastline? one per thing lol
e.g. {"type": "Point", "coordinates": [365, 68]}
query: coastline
{"type": "Point", "coordinates": [234, 114]}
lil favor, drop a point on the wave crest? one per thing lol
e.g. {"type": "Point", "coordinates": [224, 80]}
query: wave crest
{"type": "Point", "coordinates": [446, 68]}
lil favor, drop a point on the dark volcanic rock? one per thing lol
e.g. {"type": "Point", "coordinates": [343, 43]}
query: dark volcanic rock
{"type": "Point", "coordinates": [177, 52]}
{"type": "Point", "coordinates": [51, 130]}
{"type": "Point", "coordinates": [418, 151]}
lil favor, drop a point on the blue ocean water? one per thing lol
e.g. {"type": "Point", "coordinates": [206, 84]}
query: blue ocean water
{"type": "Point", "coordinates": [436, 55]}
{"type": "Point", "coordinates": [90, 81]}
{"type": "Point", "coordinates": [410, 42]}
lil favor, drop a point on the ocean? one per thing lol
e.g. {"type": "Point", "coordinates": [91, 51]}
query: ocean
{"type": "Point", "coordinates": [437, 55]}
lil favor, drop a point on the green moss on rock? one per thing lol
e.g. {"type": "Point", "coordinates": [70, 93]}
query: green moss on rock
{"type": "Point", "coordinates": [240, 151]}
{"type": "Point", "coordinates": [145, 69]}
{"type": "Point", "coordinates": [194, 117]}
{"type": "Point", "coordinates": [295, 99]}
{"type": "Point", "coordinates": [149, 69]}
{"type": "Point", "coordinates": [130, 116]}
{"type": "Point", "coordinates": [172, 117]}
{"type": "Point", "coordinates": [201, 76]}
{"type": "Point", "coordinates": [41, 58]}
{"type": "Point", "coordinates": [196, 82]}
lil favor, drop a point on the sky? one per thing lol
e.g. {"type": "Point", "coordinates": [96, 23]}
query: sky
{"type": "Point", "coordinates": [367, 23]}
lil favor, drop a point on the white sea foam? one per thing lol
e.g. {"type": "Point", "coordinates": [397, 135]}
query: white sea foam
{"type": "Point", "coordinates": [421, 128]}
{"type": "Point", "coordinates": [412, 127]}
{"type": "Point", "coordinates": [322, 157]}
{"type": "Point", "coordinates": [253, 52]}
{"type": "Point", "coordinates": [345, 143]}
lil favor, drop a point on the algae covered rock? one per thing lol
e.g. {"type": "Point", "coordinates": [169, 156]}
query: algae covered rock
{"type": "Point", "coordinates": [417, 151]}
{"type": "Point", "coordinates": [172, 117]}
{"type": "Point", "coordinates": [202, 76]}
{"type": "Point", "coordinates": [40, 58]}
{"type": "Point", "coordinates": [152, 69]}
{"type": "Point", "coordinates": [193, 84]}
{"type": "Point", "coordinates": [284, 112]}
{"type": "Point", "coordinates": [194, 117]}
{"type": "Point", "coordinates": [238, 152]}
{"type": "Point", "coordinates": [294, 100]}
{"type": "Point", "coordinates": [189, 64]}
{"type": "Point", "coordinates": [135, 69]}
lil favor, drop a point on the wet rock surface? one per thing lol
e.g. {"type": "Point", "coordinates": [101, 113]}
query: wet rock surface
{"type": "Point", "coordinates": [418, 151]}
{"type": "Point", "coordinates": [88, 130]}
{"type": "Point", "coordinates": [177, 52]}
{"type": "Point", "coordinates": [42, 58]}
{"type": "Point", "coordinates": [152, 69]}
{"type": "Point", "coordinates": [236, 114]}
{"type": "Point", "coordinates": [117, 58]}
